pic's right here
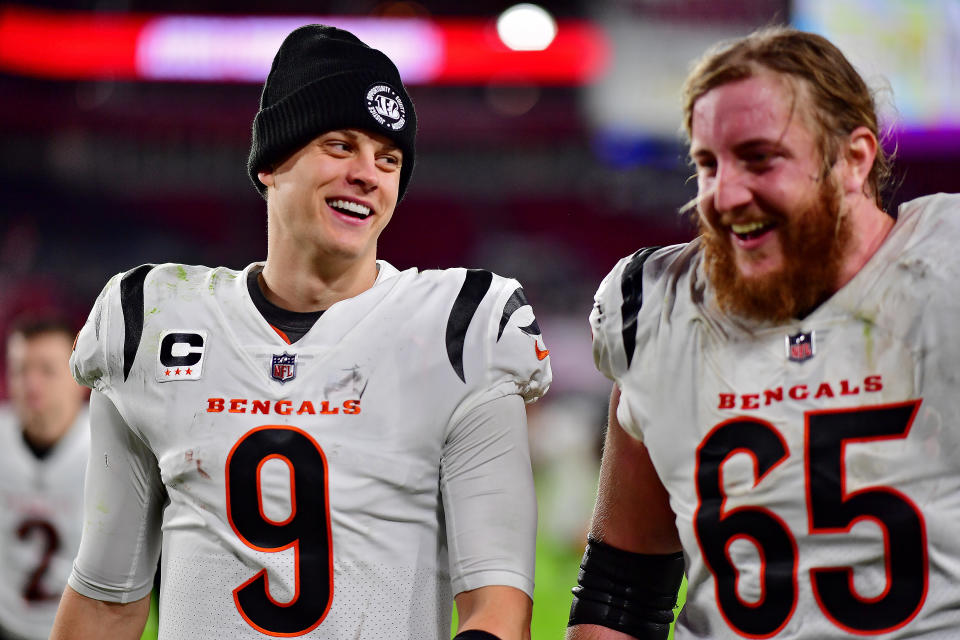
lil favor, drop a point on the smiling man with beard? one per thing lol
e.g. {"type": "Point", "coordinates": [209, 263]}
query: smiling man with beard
{"type": "Point", "coordinates": [777, 224]}
{"type": "Point", "coordinates": [782, 420]}
{"type": "Point", "coordinates": [813, 243]}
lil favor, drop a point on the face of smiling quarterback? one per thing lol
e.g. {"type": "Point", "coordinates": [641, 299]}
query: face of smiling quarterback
{"type": "Point", "coordinates": [335, 195]}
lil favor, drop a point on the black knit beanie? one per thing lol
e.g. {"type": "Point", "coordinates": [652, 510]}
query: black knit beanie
{"type": "Point", "coordinates": [323, 79]}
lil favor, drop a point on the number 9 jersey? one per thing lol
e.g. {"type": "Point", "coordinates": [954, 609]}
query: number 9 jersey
{"type": "Point", "coordinates": [813, 465]}
{"type": "Point", "coordinates": [343, 486]}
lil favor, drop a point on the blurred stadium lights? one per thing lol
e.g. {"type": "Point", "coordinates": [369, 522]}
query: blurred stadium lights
{"type": "Point", "coordinates": [526, 27]}
{"type": "Point", "coordinates": [909, 52]}
{"type": "Point", "coordinates": [153, 47]}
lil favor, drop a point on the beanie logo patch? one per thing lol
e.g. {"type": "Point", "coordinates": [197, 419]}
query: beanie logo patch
{"type": "Point", "coordinates": [386, 107]}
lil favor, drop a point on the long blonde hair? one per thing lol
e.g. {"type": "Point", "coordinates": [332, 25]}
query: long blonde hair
{"type": "Point", "coordinates": [839, 99]}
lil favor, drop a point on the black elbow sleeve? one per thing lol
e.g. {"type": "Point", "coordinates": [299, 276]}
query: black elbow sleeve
{"type": "Point", "coordinates": [633, 593]}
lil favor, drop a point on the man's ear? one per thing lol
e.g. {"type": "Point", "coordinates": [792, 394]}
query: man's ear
{"type": "Point", "coordinates": [859, 153]}
{"type": "Point", "coordinates": [266, 177]}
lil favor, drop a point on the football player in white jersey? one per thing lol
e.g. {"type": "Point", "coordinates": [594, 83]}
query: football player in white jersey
{"type": "Point", "coordinates": [783, 420]}
{"type": "Point", "coordinates": [323, 446]}
{"type": "Point", "coordinates": [43, 451]}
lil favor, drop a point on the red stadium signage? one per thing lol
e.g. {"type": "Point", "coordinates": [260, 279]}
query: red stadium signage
{"type": "Point", "coordinates": [205, 48]}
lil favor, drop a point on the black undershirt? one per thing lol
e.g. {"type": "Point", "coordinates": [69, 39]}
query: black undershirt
{"type": "Point", "coordinates": [39, 451]}
{"type": "Point", "coordinates": [294, 324]}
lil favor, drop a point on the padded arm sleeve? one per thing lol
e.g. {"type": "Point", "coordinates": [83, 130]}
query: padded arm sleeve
{"type": "Point", "coordinates": [488, 498]}
{"type": "Point", "coordinates": [123, 503]}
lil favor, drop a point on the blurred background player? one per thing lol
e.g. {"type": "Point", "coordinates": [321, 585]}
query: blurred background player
{"type": "Point", "coordinates": [44, 441]}
{"type": "Point", "coordinates": [782, 421]}
{"type": "Point", "coordinates": [323, 445]}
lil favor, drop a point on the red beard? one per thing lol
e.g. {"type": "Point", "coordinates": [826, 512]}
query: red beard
{"type": "Point", "coordinates": [814, 243]}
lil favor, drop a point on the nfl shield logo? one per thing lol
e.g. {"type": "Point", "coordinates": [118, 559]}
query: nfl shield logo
{"type": "Point", "coordinates": [800, 346]}
{"type": "Point", "coordinates": [284, 367]}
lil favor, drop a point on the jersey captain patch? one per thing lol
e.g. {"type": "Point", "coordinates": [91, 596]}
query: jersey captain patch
{"type": "Point", "coordinates": [180, 356]}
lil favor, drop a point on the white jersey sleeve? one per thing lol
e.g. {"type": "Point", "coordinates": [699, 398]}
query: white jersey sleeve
{"type": "Point", "coordinates": [500, 345]}
{"type": "Point", "coordinates": [488, 498]}
{"type": "Point", "coordinates": [95, 359]}
{"type": "Point", "coordinates": [624, 315]}
{"type": "Point", "coordinates": [485, 470]}
{"type": "Point", "coordinates": [123, 493]}
{"type": "Point", "coordinates": [606, 322]}
{"type": "Point", "coordinates": [123, 498]}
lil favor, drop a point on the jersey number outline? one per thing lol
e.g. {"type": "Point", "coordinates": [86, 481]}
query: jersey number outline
{"type": "Point", "coordinates": [306, 530]}
{"type": "Point", "coordinates": [830, 509]}
{"type": "Point", "coordinates": [33, 590]}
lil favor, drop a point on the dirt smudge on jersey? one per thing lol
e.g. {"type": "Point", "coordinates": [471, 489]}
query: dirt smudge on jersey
{"type": "Point", "coordinates": [188, 457]}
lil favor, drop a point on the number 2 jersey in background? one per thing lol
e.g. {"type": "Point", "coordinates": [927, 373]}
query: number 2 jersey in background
{"type": "Point", "coordinates": [41, 517]}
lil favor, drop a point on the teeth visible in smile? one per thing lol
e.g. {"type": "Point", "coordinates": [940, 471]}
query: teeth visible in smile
{"type": "Point", "coordinates": [350, 207]}
{"type": "Point", "coordinates": [747, 227]}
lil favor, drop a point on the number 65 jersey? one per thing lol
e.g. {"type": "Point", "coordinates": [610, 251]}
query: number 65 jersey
{"type": "Point", "coordinates": [343, 486]}
{"type": "Point", "coordinates": [813, 466]}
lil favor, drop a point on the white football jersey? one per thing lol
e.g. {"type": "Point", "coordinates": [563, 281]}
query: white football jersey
{"type": "Point", "coordinates": [41, 515]}
{"type": "Point", "coordinates": [813, 466]}
{"type": "Point", "coordinates": [337, 487]}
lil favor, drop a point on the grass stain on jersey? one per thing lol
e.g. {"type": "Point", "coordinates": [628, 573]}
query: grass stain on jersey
{"type": "Point", "coordinates": [152, 311]}
{"type": "Point", "coordinates": [868, 339]}
{"type": "Point", "coordinates": [181, 273]}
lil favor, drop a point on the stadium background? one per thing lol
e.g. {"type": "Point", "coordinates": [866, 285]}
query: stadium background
{"type": "Point", "coordinates": [545, 165]}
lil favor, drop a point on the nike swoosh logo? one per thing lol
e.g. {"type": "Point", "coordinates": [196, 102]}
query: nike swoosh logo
{"type": "Point", "coordinates": [541, 354]}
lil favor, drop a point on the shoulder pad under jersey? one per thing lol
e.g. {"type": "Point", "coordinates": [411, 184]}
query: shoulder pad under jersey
{"type": "Point", "coordinates": [493, 341]}
{"type": "Point", "coordinates": [107, 344]}
{"type": "Point", "coordinates": [628, 303]}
